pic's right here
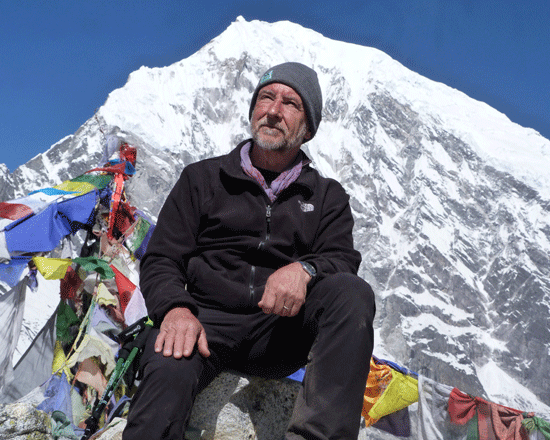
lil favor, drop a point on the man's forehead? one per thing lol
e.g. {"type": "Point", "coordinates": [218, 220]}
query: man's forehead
{"type": "Point", "coordinates": [285, 90]}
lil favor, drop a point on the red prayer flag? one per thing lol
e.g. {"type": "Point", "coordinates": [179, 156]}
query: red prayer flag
{"type": "Point", "coordinates": [14, 211]}
{"type": "Point", "coordinates": [125, 288]}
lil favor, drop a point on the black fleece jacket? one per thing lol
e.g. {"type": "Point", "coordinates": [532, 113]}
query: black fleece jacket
{"type": "Point", "coordinates": [218, 237]}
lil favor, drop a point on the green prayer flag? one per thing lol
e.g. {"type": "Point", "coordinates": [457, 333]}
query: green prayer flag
{"type": "Point", "coordinates": [537, 424]}
{"type": "Point", "coordinates": [133, 242]}
{"type": "Point", "coordinates": [66, 318]}
{"type": "Point", "coordinates": [473, 429]}
{"type": "Point", "coordinates": [94, 264]}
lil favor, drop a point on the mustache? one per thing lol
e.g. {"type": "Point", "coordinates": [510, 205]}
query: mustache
{"type": "Point", "coordinates": [265, 123]}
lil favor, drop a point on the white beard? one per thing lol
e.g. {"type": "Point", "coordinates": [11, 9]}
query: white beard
{"type": "Point", "coordinates": [283, 144]}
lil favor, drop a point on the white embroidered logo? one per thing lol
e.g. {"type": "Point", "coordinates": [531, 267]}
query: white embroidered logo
{"type": "Point", "coordinates": [305, 207]}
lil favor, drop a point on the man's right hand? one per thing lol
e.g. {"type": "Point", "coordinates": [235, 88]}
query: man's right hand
{"type": "Point", "coordinates": [179, 332]}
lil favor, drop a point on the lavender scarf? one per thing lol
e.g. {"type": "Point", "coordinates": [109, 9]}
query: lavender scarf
{"type": "Point", "coordinates": [281, 182]}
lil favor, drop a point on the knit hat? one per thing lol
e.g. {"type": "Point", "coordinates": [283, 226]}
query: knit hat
{"type": "Point", "coordinates": [304, 81]}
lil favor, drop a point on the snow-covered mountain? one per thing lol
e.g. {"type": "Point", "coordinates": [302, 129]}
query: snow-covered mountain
{"type": "Point", "coordinates": [451, 199]}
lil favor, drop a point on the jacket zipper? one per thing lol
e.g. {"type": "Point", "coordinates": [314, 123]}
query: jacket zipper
{"type": "Point", "coordinates": [268, 223]}
{"type": "Point", "coordinates": [268, 227]}
{"type": "Point", "coordinates": [262, 243]}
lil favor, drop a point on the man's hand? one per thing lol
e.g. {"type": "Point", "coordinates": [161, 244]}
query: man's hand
{"type": "Point", "coordinates": [179, 332]}
{"type": "Point", "coordinates": [285, 291]}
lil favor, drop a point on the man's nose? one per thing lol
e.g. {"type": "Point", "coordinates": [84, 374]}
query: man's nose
{"type": "Point", "coordinates": [275, 108]}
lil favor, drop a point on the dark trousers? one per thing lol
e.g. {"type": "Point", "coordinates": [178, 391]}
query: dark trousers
{"type": "Point", "coordinates": [332, 334]}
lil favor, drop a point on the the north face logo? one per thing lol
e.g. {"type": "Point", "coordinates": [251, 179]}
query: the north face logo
{"type": "Point", "coordinates": [266, 77]}
{"type": "Point", "coordinates": [306, 207]}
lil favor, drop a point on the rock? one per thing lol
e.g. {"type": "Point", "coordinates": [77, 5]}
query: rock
{"type": "Point", "coordinates": [240, 407]}
{"type": "Point", "coordinates": [22, 421]}
{"type": "Point", "coordinates": [113, 431]}
{"type": "Point", "coordinates": [232, 407]}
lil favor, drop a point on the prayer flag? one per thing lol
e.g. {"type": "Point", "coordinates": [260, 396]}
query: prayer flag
{"type": "Point", "coordinates": [43, 232]}
{"type": "Point", "coordinates": [493, 421]}
{"type": "Point", "coordinates": [100, 181]}
{"type": "Point", "coordinates": [77, 187]}
{"type": "Point", "coordinates": [66, 318]}
{"type": "Point", "coordinates": [401, 392]}
{"type": "Point", "coordinates": [14, 211]}
{"type": "Point", "coordinates": [52, 268]}
{"type": "Point", "coordinates": [70, 283]}
{"type": "Point", "coordinates": [379, 378]}
{"type": "Point", "coordinates": [125, 288]}
{"type": "Point", "coordinates": [104, 297]}
{"type": "Point", "coordinates": [90, 374]}
{"type": "Point", "coordinates": [93, 264]}
{"type": "Point", "coordinates": [10, 272]}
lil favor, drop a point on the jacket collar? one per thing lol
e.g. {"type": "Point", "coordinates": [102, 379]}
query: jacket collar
{"type": "Point", "coordinates": [231, 166]}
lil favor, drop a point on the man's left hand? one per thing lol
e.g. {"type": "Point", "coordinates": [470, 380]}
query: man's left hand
{"type": "Point", "coordinates": [285, 291]}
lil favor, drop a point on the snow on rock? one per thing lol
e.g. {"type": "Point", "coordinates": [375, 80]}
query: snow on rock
{"type": "Point", "coordinates": [450, 198]}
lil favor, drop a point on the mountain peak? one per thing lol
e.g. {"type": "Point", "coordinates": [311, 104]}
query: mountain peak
{"type": "Point", "coordinates": [450, 198]}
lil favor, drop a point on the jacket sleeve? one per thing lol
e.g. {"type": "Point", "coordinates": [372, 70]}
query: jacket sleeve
{"type": "Point", "coordinates": [333, 249]}
{"type": "Point", "coordinates": [162, 269]}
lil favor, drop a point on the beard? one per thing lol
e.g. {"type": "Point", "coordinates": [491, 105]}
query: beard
{"type": "Point", "coordinates": [281, 144]}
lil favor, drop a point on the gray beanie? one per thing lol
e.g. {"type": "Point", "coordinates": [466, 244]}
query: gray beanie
{"type": "Point", "coordinates": [304, 81]}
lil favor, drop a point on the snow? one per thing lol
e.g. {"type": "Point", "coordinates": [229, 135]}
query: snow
{"type": "Point", "coordinates": [504, 390]}
{"type": "Point", "coordinates": [159, 106]}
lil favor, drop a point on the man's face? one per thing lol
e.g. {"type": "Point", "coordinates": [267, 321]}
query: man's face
{"type": "Point", "coordinates": [279, 120]}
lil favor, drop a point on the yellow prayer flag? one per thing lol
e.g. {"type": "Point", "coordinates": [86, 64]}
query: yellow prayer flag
{"type": "Point", "coordinates": [52, 268]}
{"type": "Point", "coordinates": [400, 393]}
{"type": "Point", "coordinates": [104, 297]}
{"type": "Point", "coordinates": [379, 378]}
{"type": "Point", "coordinates": [60, 360]}
{"type": "Point", "coordinates": [90, 346]}
{"type": "Point", "coordinates": [79, 188]}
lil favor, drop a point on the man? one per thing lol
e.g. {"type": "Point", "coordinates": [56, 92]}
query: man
{"type": "Point", "coordinates": [252, 268]}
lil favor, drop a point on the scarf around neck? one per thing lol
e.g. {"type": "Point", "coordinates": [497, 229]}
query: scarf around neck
{"type": "Point", "coordinates": [280, 183]}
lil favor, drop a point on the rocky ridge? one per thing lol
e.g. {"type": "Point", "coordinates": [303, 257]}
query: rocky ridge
{"type": "Point", "coordinates": [455, 237]}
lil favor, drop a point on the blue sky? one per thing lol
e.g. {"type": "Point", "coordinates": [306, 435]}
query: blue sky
{"type": "Point", "coordinates": [60, 59]}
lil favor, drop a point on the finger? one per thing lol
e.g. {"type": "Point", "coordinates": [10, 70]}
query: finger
{"type": "Point", "coordinates": [283, 309]}
{"type": "Point", "coordinates": [159, 342]}
{"type": "Point", "coordinates": [203, 345]}
{"type": "Point", "coordinates": [190, 340]}
{"type": "Point", "coordinates": [168, 342]}
{"type": "Point", "coordinates": [295, 309]}
{"type": "Point", "coordinates": [179, 340]}
{"type": "Point", "coordinates": [282, 305]}
{"type": "Point", "coordinates": [267, 302]}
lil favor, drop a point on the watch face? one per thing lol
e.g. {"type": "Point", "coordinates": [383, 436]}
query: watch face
{"type": "Point", "coordinates": [309, 269]}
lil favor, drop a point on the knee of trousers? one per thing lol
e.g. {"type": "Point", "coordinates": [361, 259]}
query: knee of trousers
{"type": "Point", "coordinates": [175, 374]}
{"type": "Point", "coordinates": [349, 294]}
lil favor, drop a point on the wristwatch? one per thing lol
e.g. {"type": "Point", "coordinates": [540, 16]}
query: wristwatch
{"type": "Point", "coordinates": [310, 270]}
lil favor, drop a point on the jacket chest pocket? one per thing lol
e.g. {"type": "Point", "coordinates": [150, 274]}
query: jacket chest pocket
{"type": "Point", "coordinates": [295, 225]}
{"type": "Point", "coordinates": [231, 217]}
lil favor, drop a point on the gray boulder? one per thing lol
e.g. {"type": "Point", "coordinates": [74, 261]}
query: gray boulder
{"type": "Point", "coordinates": [232, 407]}
{"type": "Point", "coordinates": [22, 421]}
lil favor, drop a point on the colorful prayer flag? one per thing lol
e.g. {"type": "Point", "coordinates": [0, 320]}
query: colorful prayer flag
{"type": "Point", "coordinates": [76, 187]}
{"type": "Point", "coordinates": [100, 181]}
{"type": "Point", "coordinates": [125, 288]}
{"type": "Point", "coordinates": [94, 264]}
{"type": "Point", "coordinates": [400, 393]}
{"type": "Point", "coordinates": [52, 268]}
{"type": "Point", "coordinates": [11, 271]}
{"type": "Point", "coordinates": [379, 378]}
